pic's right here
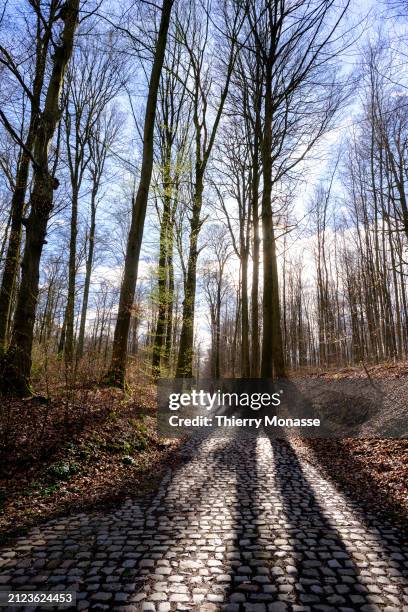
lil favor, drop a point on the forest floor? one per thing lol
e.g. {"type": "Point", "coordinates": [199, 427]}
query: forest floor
{"type": "Point", "coordinates": [372, 469]}
{"type": "Point", "coordinates": [94, 447]}
{"type": "Point", "coordinates": [85, 449]}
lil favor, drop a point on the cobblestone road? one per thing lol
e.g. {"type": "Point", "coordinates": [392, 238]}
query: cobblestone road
{"type": "Point", "coordinates": [240, 525]}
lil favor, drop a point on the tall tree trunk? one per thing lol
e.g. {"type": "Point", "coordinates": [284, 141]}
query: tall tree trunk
{"type": "Point", "coordinates": [116, 374]}
{"type": "Point", "coordinates": [15, 376]}
{"type": "Point", "coordinates": [255, 269]}
{"type": "Point", "coordinates": [13, 251]}
{"type": "Point", "coordinates": [161, 315]}
{"type": "Point", "coordinates": [17, 203]}
{"type": "Point", "coordinates": [159, 336]}
{"type": "Point", "coordinates": [185, 356]}
{"type": "Point", "coordinates": [170, 298]}
{"type": "Point", "coordinates": [213, 319]}
{"type": "Point", "coordinates": [272, 346]}
{"type": "Point", "coordinates": [255, 356]}
{"type": "Point", "coordinates": [277, 342]}
{"type": "Point", "coordinates": [245, 370]}
{"type": "Point", "coordinates": [69, 331]}
{"type": "Point", "coordinates": [88, 273]}
{"type": "Point", "coordinates": [235, 337]}
{"type": "Point", "coordinates": [218, 330]}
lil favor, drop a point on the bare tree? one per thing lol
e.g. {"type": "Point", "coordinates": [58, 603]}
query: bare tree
{"type": "Point", "coordinates": [194, 37]}
{"type": "Point", "coordinates": [236, 175]}
{"type": "Point", "coordinates": [92, 82]}
{"type": "Point", "coordinates": [17, 361]}
{"type": "Point", "coordinates": [215, 288]}
{"type": "Point", "coordinates": [173, 137]}
{"type": "Point", "coordinates": [102, 138]}
{"type": "Point", "coordinates": [294, 43]}
{"type": "Point", "coordinates": [116, 374]}
{"type": "Point", "coordinates": [45, 18]}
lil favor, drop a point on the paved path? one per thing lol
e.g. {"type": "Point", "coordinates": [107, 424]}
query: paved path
{"type": "Point", "coordinates": [241, 525]}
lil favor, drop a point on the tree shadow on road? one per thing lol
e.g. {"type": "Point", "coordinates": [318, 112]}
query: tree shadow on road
{"type": "Point", "coordinates": [333, 547]}
{"type": "Point", "coordinates": [235, 526]}
{"type": "Point", "coordinates": [356, 476]}
{"type": "Point", "coordinates": [286, 550]}
{"type": "Point", "coordinates": [323, 571]}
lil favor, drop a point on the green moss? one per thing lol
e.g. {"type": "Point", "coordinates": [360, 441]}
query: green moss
{"type": "Point", "coordinates": [62, 470]}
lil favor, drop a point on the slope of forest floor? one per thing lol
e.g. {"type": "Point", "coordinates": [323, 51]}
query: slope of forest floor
{"type": "Point", "coordinates": [79, 450]}
{"type": "Point", "coordinates": [383, 371]}
{"type": "Point", "coordinates": [371, 469]}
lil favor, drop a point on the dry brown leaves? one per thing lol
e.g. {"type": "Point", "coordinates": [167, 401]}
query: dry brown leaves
{"type": "Point", "coordinates": [373, 471]}
{"type": "Point", "coordinates": [383, 371]}
{"type": "Point", "coordinates": [82, 449]}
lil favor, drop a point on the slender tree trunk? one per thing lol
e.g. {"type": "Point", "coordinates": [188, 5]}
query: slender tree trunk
{"type": "Point", "coordinates": [6, 235]}
{"type": "Point", "coordinates": [255, 269]}
{"type": "Point", "coordinates": [47, 307]}
{"type": "Point", "coordinates": [176, 324]}
{"type": "Point", "coordinates": [61, 341]}
{"type": "Point", "coordinates": [17, 362]}
{"type": "Point", "coordinates": [159, 337]}
{"type": "Point", "coordinates": [88, 273]}
{"type": "Point", "coordinates": [218, 328]}
{"type": "Point", "coordinates": [170, 299]}
{"type": "Point", "coordinates": [69, 333]}
{"type": "Point", "coordinates": [185, 355]}
{"type": "Point", "coordinates": [245, 368]}
{"type": "Point", "coordinates": [277, 342]}
{"type": "Point", "coordinates": [397, 325]}
{"type": "Point", "coordinates": [255, 353]}
{"type": "Point", "coordinates": [13, 251]}
{"type": "Point", "coordinates": [116, 374]}
{"type": "Point", "coordinates": [213, 319]}
{"type": "Point", "coordinates": [49, 321]}
{"type": "Point", "coordinates": [235, 338]}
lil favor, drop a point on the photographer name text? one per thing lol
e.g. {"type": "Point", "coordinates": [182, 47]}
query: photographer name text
{"type": "Point", "coordinates": [224, 421]}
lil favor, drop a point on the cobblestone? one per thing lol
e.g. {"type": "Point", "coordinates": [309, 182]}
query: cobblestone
{"type": "Point", "coordinates": [241, 525]}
